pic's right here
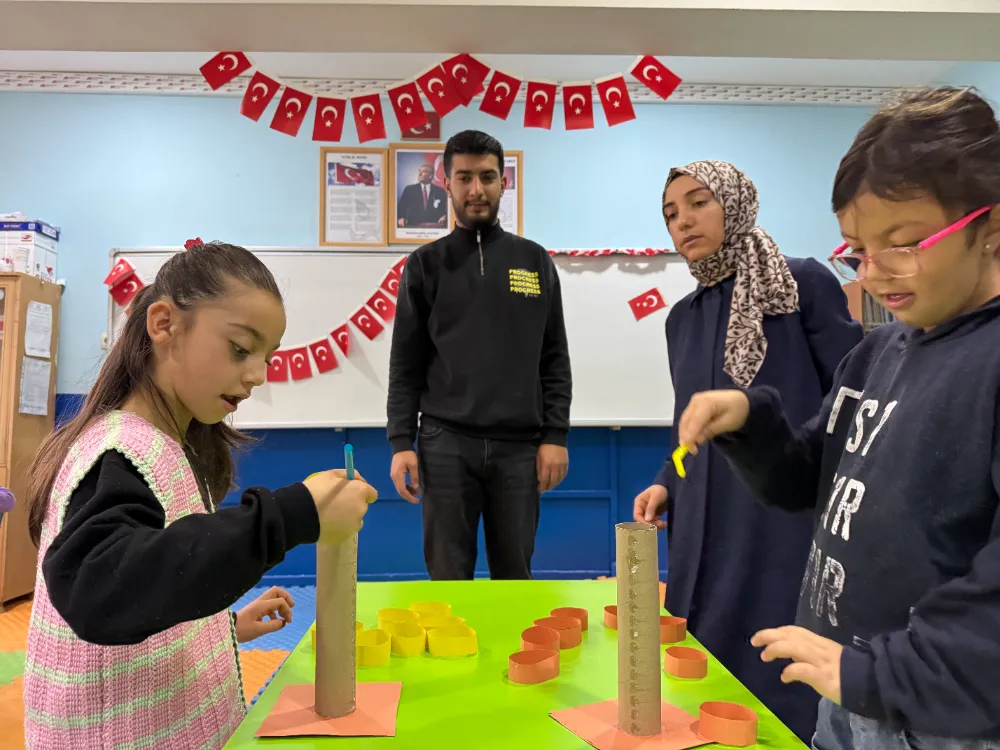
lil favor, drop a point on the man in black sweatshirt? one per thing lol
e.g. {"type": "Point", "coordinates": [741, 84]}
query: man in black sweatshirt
{"type": "Point", "coordinates": [479, 352]}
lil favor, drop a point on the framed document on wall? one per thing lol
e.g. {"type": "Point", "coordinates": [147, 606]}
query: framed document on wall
{"type": "Point", "coordinates": [419, 208]}
{"type": "Point", "coordinates": [352, 196]}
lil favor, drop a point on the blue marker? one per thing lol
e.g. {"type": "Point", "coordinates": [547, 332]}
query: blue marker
{"type": "Point", "coordinates": [349, 461]}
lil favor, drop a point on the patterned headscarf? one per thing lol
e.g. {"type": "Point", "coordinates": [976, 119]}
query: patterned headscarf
{"type": "Point", "coordinates": [764, 284]}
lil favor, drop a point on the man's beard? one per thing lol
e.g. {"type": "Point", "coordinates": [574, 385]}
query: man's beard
{"type": "Point", "coordinates": [477, 223]}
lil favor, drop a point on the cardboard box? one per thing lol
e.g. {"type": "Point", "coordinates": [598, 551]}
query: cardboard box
{"type": "Point", "coordinates": [30, 247]}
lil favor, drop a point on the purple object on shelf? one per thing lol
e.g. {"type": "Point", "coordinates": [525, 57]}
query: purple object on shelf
{"type": "Point", "coordinates": [6, 500]}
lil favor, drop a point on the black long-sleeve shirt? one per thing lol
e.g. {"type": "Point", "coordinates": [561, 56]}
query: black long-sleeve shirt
{"type": "Point", "coordinates": [116, 575]}
{"type": "Point", "coordinates": [479, 340]}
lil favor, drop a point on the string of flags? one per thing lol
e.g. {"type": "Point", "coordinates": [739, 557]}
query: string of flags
{"type": "Point", "coordinates": [453, 83]}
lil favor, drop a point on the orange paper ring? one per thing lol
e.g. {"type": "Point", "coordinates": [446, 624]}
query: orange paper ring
{"type": "Point", "coordinates": [727, 723]}
{"type": "Point", "coordinates": [568, 628]}
{"type": "Point", "coordinates": [672, 629]}
{"type": "Point", "coordinates": [686, 663]}
{"type": "Point", "coordinates": [578, 612]}
{"type": "Point", "coordinates": [532, 667]}
{"type": "Point", "coordinates": [538, 637]}
{"type": "Point", "coordinates": [611, 616]}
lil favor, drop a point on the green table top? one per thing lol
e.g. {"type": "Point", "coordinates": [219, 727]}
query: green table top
{"type": "Point", "coordinates": [468, 702]}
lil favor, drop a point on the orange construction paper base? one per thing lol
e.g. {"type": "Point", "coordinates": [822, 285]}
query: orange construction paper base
{"type": "Point", "coordinates": [294, 713]}
{"type": "Point", "coordinates": [597, 724]}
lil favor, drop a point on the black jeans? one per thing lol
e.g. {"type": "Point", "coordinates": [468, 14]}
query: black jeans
{"type": "Point", "coordinates": [465, 477]}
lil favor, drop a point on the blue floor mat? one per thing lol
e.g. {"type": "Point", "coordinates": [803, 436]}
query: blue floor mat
{"type": "Point", "coordinates": [303, 615]}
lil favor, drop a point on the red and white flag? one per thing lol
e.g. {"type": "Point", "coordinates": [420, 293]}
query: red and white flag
{"type": "Point", "coordinates": [122, 269]}
{"type": "Point", "coordinates": [291, 112]}
{"type": "Point", "coordinates": [613, 92]}
{"type": "Point", "coordinates": [329, 122]}
{"type": "Point", "coordinates": [298, 363]}
{"type": "Point", "coordinates": [345, 175]}
{"type": "Point", "coordinates": [124, 291]}
{"type": "Point", "coordinates": [277, 368]}
{"type": "Point", "coordinates": [439, 88]}
{"type": "Point", "coordinates": [322, 352]}
{"type": "Point", "coordinates": [500, 94]}
{"type": "Point", "coordinates": [367, 323]}
{"type": "Point", "coordinates": [368, 117]}
{"type": "Point", "coordinates": [224, 67]}
{"type": "Point", "coordinates": [400, 265]}
{"type": "Point", "coordinates": [540, 105]}
{"type": "Point", "coordinates": [259, 93]}
{"type": "Point", "coordinates": [468, 75]}
{"type": "Point", "coordinates": [656, 76]}
{"type": "Point", "coordinates": [646, 303]}
{"type": "Point", "coordinates": [390, 284]}
{"type": "Point", "coordinates": [406, 103]}
{"type": "Point", "coordinates": [342, 335]}
{"type": "Point", "coordinates": [382, 303]}
{"type": "Point", "coordinates": [578, 106]}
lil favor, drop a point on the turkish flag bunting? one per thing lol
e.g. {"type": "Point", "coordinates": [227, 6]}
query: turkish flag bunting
{"type": "Point", "coordinates": [406, 103]}
{"type": "Point", "coordinates": [291, 112]}
{"type": "Point", "coordinates": [390, 284]}
{"type": "Point", "coordinates": [614, 96]}
{"type": "Point", "coordinates": [368, 117]}
{"type": "Point", "coordinates": [277, 369]}
{"type": "Point", "coordinates": [500, 94]}
{"type": "Point", "coordinates": [125, 290]}
{"type": "Point", "coordinates": [468, 74]}
{"type": "Point", "coordinates": [655, 75]}
{"type": "Point", "coordinates": [224, 67]}
{"type": "Point", "coordinates": [329, 122]}
{"type": "Point", "coordinates": [400, 265]}
{"type": "Point", "coordinates": [440, 90]}
{"type": "Point", "coordinates": [123, 268]}
{"type": "Point", "coordinates": [382, 303]}
{"type": "Point", "coordinates": [298, 363]}
{"type": "Point", "coordinates": [367, 323]}
{"type": "Point", "coordinates": [322, 353]}
{"type": "Point", "coordinates": [342, 335]}
{"type": "Point", "coordinates": [540, 105]}
{"type": "Point", "coordinates": [258, 95]}
{"type": "Point", "coordinates": [646, 303]}
{"type": "Point", "coordinates": [578, 106]}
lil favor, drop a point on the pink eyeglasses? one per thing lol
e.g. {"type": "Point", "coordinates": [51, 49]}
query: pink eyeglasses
{"type": "Point", "coordinates": [897, 262]}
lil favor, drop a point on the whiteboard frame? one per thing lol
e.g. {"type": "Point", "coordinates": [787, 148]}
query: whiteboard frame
{"type": "Point", "coordinates": [342, 424]}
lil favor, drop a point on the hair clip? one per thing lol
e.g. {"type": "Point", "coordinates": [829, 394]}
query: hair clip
{"type": "Point", "coordinates": [193, 243]}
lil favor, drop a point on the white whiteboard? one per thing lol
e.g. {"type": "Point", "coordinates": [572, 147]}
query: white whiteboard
{"type": "Point", "coordinates": [620, 372]}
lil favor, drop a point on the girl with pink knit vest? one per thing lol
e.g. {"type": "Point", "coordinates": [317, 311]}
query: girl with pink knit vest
{"type": "Point", "coordinates": [131, 642]}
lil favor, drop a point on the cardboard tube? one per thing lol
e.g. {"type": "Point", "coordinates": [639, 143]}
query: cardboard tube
{"type": "Point", "coordinates": [336, 610]}
{"type": "Point", "coordinates": [638, 629]}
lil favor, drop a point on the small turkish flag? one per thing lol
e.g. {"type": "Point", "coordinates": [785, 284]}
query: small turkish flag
{"type": "Point", "coordinates": [468, 75]}
{"type": "Point", "coordinates": [655, 75]}
{"type": "Point", "coordinates": [390, 283]}
{"type": "Point", "coordinates": [367, 323]}
{"type": "Point", "coordinates": [578, 106]}
{"type": "Point", "coordinates": [499, 96]}
{"type": "Point", "coordinates": [345, 175]}
{"type": "Point", "coordinates": [277, 368]}
{"type": "Point", "coordinates": [125, 290]}
{"type": "Point", "coordinates": [400, 265]}
{"type": "Point", "coordinates": [440, 90]}
{"type": "Point", "coordinates": [617, 104]}
{"type": "Point", "coordinates": [329, 122]}
{"type": "Point", "coordinates": [322, 353]}
{"type": "Point", "coordinates": [224, 67]}
{"type": "Point", "coordinates": [291, 112]}
{"type": "Point", "coordinates": [123, 268]}
{"type": "Point", "coordinates": [298, 363]}
{"type": "Point", "coordinates": [368, 117]}
{"type": "Point", "coordinates": [540, 105]}
{"type": "Point", "coordinates": [258, 95]}
{"type": "Point", "coordinates": [406, 103]}
{"type": "Point", "coordinates": [382, 303]}
{"type": "Point", "coordinates": [342, 335]}
{"type": "Point", "coordinates": [646, 303]}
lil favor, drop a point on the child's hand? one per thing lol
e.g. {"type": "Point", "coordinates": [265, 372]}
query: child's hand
{"type": "Point", "coordinates": [275, 603]}
{"type": "Point", "coordinates": [341, 504]}
{"type": "Point", "coordinates": [710, 414]}
{"type": "Point", "coordinates": [816, 660]}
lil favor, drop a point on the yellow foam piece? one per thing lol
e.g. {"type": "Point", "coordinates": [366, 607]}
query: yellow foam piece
{"type": "Point", "coordinates": [393, 615]}
{"type": "Point", "coordinates": [679, 455]}
{"type": "Point", "coordinates": [431, 608]}
{"type": "Point", "coordinates": [358, 627]}
{"type": "Point", "coordinates": [373, 647]}
{"type": "Point", "coordinates": [408, 639]}
{"type": "Point", "coordinates": [452, 640]}
{"type": "Point", "coordinates": [429, 622]}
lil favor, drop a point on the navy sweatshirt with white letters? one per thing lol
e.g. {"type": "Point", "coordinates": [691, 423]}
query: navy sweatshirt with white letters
{"type": "Point", "coordinates": [902, 466]}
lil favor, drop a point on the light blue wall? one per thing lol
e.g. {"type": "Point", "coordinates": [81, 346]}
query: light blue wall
{"type": "Point", "coordinates": [129, 171]}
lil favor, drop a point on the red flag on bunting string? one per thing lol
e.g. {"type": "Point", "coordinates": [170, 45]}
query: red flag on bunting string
{"type": "Point", "coordinates": [368, 117]}
{"type": "Point", "coordinates": [468, 75]}
{"type": "Point", "coordinates": [656, 76]}
{"type": "Point", "coordinates": [540, 105]}
{"type": "Point", "coordinates": [298, 363]}
{"type": "Point", "coordinates": [406, 103]}
{"type": "Point", "coordinates": [277, 368]}
{"type": "Point", "coordinates": [382, 304]}
{"type": "Point", "coordinates": [578, 106]}
{"type": "Point", "coordinates": [224, 67]}
{"type": "Point", "coordinates": [291, 111]}
{"type": "Point", "coordinates": [367, 323]}
{"type": "Point", "coordinates": [329, 122]}
{"type": "Point", "coordinates": [439, 88]}
{"type": "Point", "coordinates": [390, 284]}
{"type": "Point", "coordinates": [342, 335]}
{"type": "Point", "coordinates": [323, 355]}
{"type": "Point", "coordinates": [500, 94]}
{"type": "Point", "coordinates": [613, 92]}
{"type": "Point", "coordinates": [260, 91]}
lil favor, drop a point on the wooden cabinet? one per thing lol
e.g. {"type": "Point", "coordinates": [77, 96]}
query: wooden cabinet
{"type": "Point", "coordinates": [23, 313]}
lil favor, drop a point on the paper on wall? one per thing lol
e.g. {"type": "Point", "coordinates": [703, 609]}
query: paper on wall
{"type": "Point", "coordinates": [36, 375]}
{"type": "Point", "coordinates": [38, 330]}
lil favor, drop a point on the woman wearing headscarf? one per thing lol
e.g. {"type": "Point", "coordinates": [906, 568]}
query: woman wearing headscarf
{"type": "Point", "coordinates": [756, 318]}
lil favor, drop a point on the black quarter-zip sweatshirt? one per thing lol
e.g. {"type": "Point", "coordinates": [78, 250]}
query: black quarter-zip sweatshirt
{"type": "Point", "coordinates": [479, 341]}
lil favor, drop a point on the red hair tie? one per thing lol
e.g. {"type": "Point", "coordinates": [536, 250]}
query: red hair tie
{"type": "Point", "coordinates": [193, 243]}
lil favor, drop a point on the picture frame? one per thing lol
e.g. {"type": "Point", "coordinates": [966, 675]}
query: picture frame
{"type": "Point", "coordinates": [353, 196]}
{"type": "Point", "coordinates": [419, 212]}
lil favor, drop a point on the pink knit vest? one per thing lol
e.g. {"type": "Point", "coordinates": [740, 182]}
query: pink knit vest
{"type": "Point", "coordinates": [180, 689]}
